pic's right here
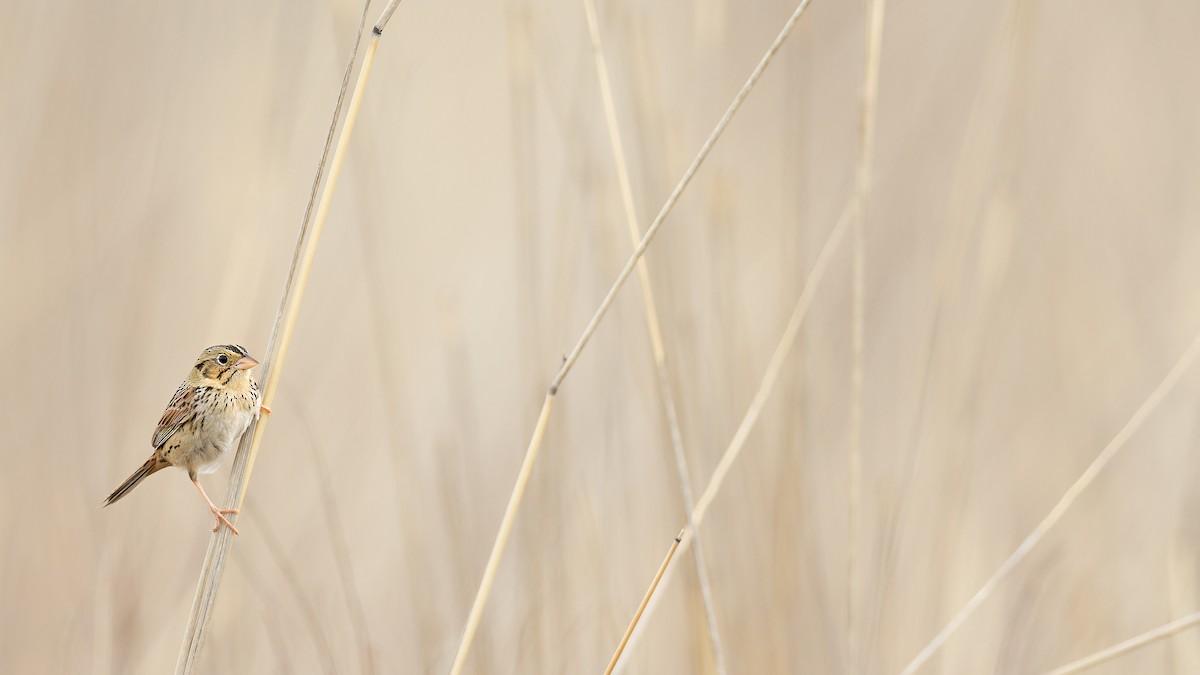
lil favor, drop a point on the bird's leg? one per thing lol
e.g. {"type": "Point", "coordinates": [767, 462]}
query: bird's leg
{"type": "Point", "coordinates": [219, 514]}
{"type": "Point", "coordinates": [264, 408]}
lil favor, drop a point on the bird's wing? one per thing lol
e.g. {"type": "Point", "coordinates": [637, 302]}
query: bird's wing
{"type": "Point", "coordinates": [179, 410]}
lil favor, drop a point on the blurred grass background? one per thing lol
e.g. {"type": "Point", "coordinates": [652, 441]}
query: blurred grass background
{"type": "Point", "coordinates": [1031, 264]}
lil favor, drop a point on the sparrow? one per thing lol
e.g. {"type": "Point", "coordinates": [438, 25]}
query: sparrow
{"type": "Point", "coordinates": [203, 422]}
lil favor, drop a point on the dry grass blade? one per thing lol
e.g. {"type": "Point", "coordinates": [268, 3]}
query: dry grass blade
{"type": "Point", "coordinates": [1129, 645]}
{"type": "Point", "coordinates": [786, 342]}
{"type": "Point", "coordinates": [1156, 397]}
{"type": "Point", "coordinates": [514, 503]}
{"type": "Point", "coordinates": [688, 174]}
{"type": "Point", "coordinates": [281, 334]}
{"type": "Point", "coordinates": [385, 16]}
{"type": "Point", "coordinates": [870, 94]}
{"type": "Point", "coordinates": [506, 524]}
{"type": "Point", "coordinates": [642, 607]}
{"type": "Point", "coordinates": [653, 327]}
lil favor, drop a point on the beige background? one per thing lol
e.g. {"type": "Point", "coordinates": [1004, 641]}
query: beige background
{"type": "Point", "coordinates": [1032, 265]}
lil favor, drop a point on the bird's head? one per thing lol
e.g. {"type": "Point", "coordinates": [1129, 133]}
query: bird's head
{"type": "Point", "coordinates": [218, 365]}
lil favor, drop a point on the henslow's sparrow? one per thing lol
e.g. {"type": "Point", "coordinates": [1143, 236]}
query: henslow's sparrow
{"type": "Point", "coordinates": [204, 420]}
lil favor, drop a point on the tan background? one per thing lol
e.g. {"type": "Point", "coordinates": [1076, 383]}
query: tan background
{"type": "Point", "coordinates": [1032, 272]}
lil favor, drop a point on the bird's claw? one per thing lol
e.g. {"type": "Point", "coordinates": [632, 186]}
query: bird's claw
{"type": "Point", "coordinates": [219, 514]}
{"type": "Point", "coordinates": [264, 408]}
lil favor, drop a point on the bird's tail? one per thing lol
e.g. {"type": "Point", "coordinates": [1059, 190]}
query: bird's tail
{"type": "Point", "coordinates": [153, 464]}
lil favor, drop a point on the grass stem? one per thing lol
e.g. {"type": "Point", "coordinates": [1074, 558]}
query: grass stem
{"type": "Point", "coordinates": [863, 184]}
{"type": "Point", "coordinates": [786, 342]}
{"type": "Point", "coordinates": [514, 503]}
{"type": "Point", "coordinates": [1129, 645]}
{"type": "Point", "coordinates": [653, 327]}
{"type": "Point", "coordinates": [642, 607]}
{"type": "Point", "coordinates": [1064, 503]}
{"type": "Point", "coordinates": [281, 335]}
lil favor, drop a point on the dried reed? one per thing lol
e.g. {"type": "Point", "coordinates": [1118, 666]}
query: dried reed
{"type": "Point", "coordinates": [1064, 503]}
{"type": "Point", "coordinates": [281, 334]}
{"type": "Point", "coordinates": [642, 606]}
{"type": "Point", "coordinates": [863, 180]}
{"type": "Point", "coordinates": [514, 502]}
{"type": "Point", "coordinates": [653, 327]}
{"type": "Point", "coordinates": [1164, 631]}
{"type": "Point", "coordinates": [786, 342]}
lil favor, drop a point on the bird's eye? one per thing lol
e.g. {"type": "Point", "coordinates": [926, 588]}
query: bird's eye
{"type": "Point", "coordinates": [222, 359]}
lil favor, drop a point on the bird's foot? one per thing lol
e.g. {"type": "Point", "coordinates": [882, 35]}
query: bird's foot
{"type": "Point", "coordinates": [219, 515]}
{"type": "Point", "coordinates": [265, 409]}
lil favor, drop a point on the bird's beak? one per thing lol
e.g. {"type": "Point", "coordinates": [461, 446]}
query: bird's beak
{"type": "Point", "coordinates": [245, 363]}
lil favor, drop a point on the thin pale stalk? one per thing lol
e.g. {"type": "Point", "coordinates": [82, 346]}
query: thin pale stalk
{"type": "Point", "coordinates": [385, 16]}
{"type": "Point", "coordinates": [498, 546]}
{"type": "Point", "coordinates": [642, 607]}
{"type": "Point", "coordinates": [501, 541]}
{"type": "Point", "coordinates": [863, 184]}
{"type": "Point", "coordinates": [688, 174]}
{"type": "Point", "coordinates": [974, 183]}
{"type": "Point", "coordinates": [782, 350]}
{"type": "Point", "coordinates": [281, 334]}
{"type": "Point", "coordinates": [1068, 499]}
{"type": "Point", "coordinates": [786, 342]}
{"type": "Point", "coordinates": [1164, 631]}
{"type": "Point", "coordinates": [653, 327]}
